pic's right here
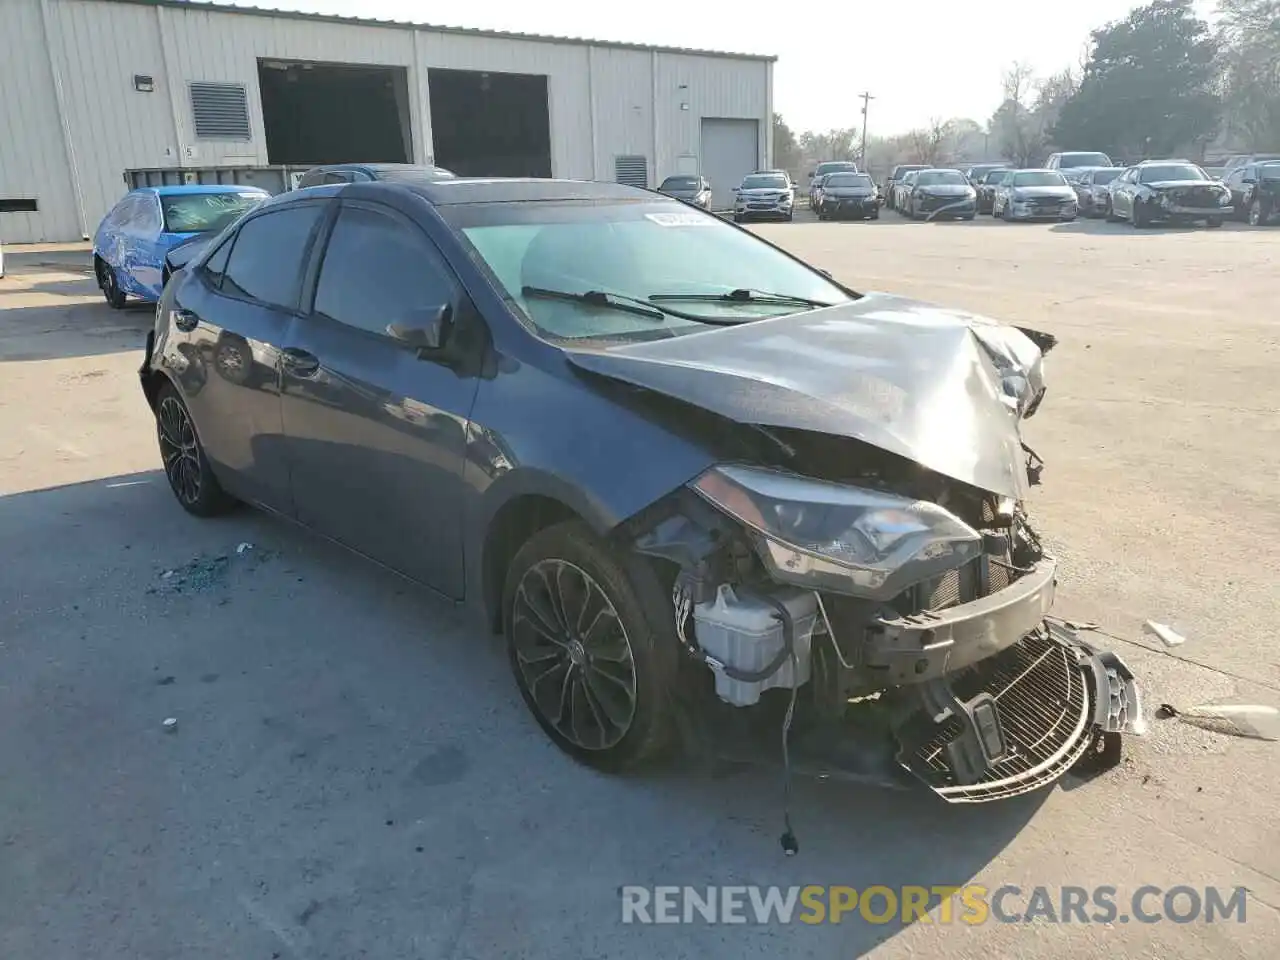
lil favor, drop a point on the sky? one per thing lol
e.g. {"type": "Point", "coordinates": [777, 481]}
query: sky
{"type": "Point", "coordinates": [922, 59]}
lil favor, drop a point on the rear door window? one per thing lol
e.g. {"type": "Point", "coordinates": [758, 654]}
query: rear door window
{"type": "Point", "coordinates": [269, 253]}
{"type": "Point", "coordinates": [380, 269]}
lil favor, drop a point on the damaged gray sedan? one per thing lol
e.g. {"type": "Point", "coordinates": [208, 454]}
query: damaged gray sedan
{"type": "Point", "coordinates": [707, 493]}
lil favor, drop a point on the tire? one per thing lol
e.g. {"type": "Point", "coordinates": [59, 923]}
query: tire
{"type": "Point", "coordinates": [1137, 218]}
{"type": "Point", "coordinates": [736, 218]}
{"type": "Point", "coordinates": [619, 716]}
{"type": "Point", "coordinates": [1213, 223]}
{"type": "Point", "coordinates": [876, 215]}
{"type": "Point", "coordinates": [185, 465]}
{"type": "Point", "coordinates": [111, 291]}
{"type": "Point", "coordinates": [1006, 214]}
{"type": "Point", "coordinates": [791, 216]}
{"type": "Point", "coordinates": [968, 216]}
{"type": "Point", "coordinates": [1256, 218]}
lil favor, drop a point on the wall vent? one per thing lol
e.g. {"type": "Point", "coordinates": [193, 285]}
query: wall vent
{"type": "Point", "coordinates": [221, 111]}
{"type": "Point", "coordinates": [633, 171]}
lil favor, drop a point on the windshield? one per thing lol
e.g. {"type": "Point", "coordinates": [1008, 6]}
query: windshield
{"type": "Point", "coordinates": [1106, 175]}
{"type": "Point", "coordinates": [902, 170]}
{"type": "Point", "coordinates": [1084, 160]}
{"type": "Point", "coordinates": [995, 176]}
{"type": "Point", "coordinates": [205, 212]}
{"type": "Point", "coordinates": [632, 250]}
{"type": "Point", "coordinates": [1159, 172]}
{"type": "Point", "coordinates": [834, 166]}
{"type": "Point", "coordinates": [1269, 171]}
{"type": "Point", "coordinates": [849, 180]}
{"type": "Point", "coordinates": [762, 181]}
{"type": "Point", "coordinates": [1039, 178]}
{"type": "Point", "coordinates": [932, 178]}
{"type": "Point", "coordinates": [679, 183]}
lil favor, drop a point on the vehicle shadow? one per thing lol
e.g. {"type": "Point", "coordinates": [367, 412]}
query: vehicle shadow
{"type": "Point", "coordinates": [60, 318]}
{"type": "Point", "coordinates": [359, 716]}
{"type": "Point", "coordinates": [1103, 227]}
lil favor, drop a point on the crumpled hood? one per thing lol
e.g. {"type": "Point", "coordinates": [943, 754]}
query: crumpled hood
{"type": "Point", "coordinates": [924, 382]}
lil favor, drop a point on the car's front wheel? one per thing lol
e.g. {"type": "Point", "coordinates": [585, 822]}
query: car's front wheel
{"type": "Point", "coordinates": [1256, 216]}
{"type": "Point", "coordinates": [185, 465]}
{"type": "Point", "coordinates": [592, 644]}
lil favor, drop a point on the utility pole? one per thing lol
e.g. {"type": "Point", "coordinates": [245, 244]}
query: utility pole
{"type": "Point", "coordinates": [862, 153]}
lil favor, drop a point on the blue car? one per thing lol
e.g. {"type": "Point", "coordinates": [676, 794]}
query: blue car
{"type": "Point", "coordinates": [132, 240]}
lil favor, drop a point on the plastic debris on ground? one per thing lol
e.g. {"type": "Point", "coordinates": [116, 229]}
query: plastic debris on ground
{"type": "Point", "coordinates": [240, 550]}
{"type": "Point", "coordinates": [1168, 636]}
{"type": "Point", "coordinates": [170, 724]}
{"type": "Point", "coordinates": [1255, 720]}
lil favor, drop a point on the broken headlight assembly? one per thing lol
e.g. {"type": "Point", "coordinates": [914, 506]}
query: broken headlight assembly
{"type": "Point", "coordinates": [844, 539]}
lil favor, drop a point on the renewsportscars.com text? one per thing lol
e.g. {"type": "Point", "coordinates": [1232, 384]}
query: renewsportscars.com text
{"type": "Point", "coordinates": [972, 904]}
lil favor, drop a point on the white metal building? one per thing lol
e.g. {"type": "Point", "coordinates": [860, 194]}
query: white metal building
{"type": "Point", "coordinates": [93, 89]}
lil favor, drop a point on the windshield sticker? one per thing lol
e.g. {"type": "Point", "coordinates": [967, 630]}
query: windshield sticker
{"type": "Point", "coordinates": [680, 219]}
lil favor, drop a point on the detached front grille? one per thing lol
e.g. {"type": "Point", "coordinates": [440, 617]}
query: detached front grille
{"type": "Point", "coordinates": [1044, 707]}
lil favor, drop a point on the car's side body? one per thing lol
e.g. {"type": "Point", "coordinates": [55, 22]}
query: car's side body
{"type": "Point", "coordinates": [458, 427]}
{"type": "Point", "coordinates": [136, 235]}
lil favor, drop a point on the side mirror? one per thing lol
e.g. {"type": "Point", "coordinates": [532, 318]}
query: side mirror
{"type": "Point", "coordinates": [1248, 180]}
{"type": "Point", "coordinates": [424, 330]}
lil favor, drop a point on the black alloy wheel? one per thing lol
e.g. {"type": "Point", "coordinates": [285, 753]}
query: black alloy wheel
{"type": "Point", "coordinates": [185, 465]}
{"type": "Point", "coordinates": [111, 291]}
{"type": "Point", "coordinates": [589, 661]}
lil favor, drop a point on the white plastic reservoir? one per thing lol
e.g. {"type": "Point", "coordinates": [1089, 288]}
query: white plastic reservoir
{"type": "Point", "coordinates": [745, 632]}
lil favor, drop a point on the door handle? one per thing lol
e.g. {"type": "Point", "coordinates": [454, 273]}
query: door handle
{"type": "Point", "coordinates": [299, 362]}
{"type": "Point", "coordinates": [185, 320]}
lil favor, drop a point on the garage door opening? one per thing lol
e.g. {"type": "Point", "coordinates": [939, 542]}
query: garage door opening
{"type": "Point", "coordinates": [334, 113]}
{"type": "Point", "coordinates": [490, 124]}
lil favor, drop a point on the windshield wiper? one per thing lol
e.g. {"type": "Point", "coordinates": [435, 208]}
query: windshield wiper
{"type": "Point", "coordinates": [632, 305]}
{"type": "Point", "coordinates": [741, 295]}
{"type": "Point", "coordinates": [598, 298]}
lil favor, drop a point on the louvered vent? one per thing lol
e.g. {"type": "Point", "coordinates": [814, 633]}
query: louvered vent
{"type": "Point", "coordinates": [633, 171]}
{"type": "Point", "coordinates": [221, 111]}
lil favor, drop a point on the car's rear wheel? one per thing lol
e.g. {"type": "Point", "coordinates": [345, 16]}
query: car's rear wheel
{"type": "Point", "coordinates": [1213, 223]}
{"type": "Point", "coordinates": [592, 650]}
{"type": "Point", "coordinates": [111, 291]}
{"type": "Point", "coordinates": [185, 465]}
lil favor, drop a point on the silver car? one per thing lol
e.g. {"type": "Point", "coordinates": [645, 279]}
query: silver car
{"type": "Point", "coordinates": [763, 196]}
{"type": "Point", "coordinates": [1035, 195]}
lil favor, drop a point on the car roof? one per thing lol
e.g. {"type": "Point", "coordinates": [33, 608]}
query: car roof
{"type": "Point", "coordinates": [939, 170]}
{"type": "Point", "coordinates": [1034, 170]}
{"type": "Point", "coordinates": [178, 190]}
{"type": "Point", "coordinates": [463, 190]}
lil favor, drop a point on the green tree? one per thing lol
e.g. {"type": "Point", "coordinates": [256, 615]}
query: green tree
{"type": "Point", "coordinates": [1249, 39]}
{"type": "Point", "coordinates": [1148, 87]}
{"type": "Point", "coordinates": [786, 150]}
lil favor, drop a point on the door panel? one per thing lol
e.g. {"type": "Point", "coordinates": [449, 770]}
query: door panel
{"type": "Point", "coordinates": [242, 304]}
{"type": "Point", "coordinates": [376, 435]}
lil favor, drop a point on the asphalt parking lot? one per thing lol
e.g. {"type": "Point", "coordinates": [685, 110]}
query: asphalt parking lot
{"type": "Point", "coordinates": [352, 773]}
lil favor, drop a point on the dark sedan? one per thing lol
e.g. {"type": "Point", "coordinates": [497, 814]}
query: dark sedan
{"type": "Point", "coordinates": [694, 190]}
{"type": "Point", "coordinates": [1255, 191]}
{"type": "Point", "coordinates": [896, 176]}
{"type": "Point", "coordinates": [1168, 191]}
{"type": "Point", "coordinates": [848, 195]}
{"type": "Point", "coordinates": [941, 193]}
{"type": "Point", "coordinates": [986, 190]}
{"type": "Point", "coordinates": [686, 475]}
